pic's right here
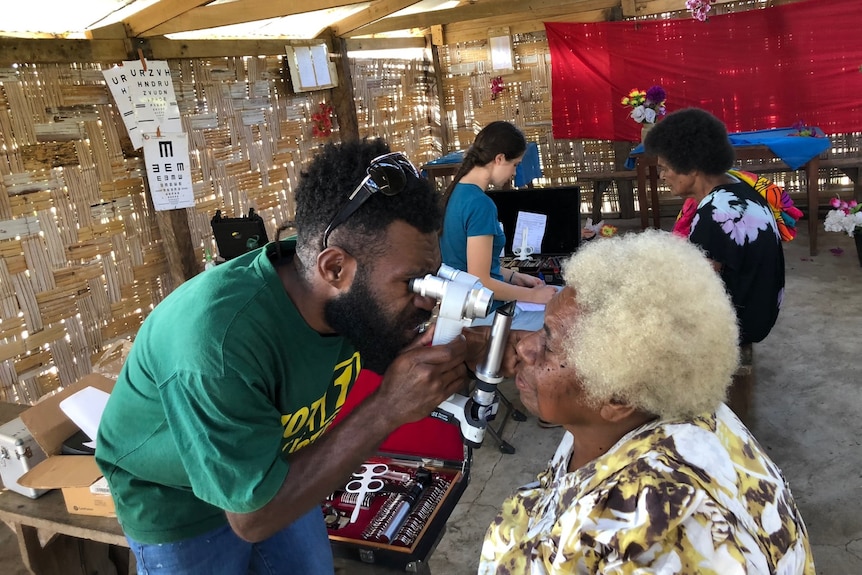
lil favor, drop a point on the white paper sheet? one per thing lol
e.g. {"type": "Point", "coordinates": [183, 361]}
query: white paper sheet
{"type": "Point", "coordinates": [529, 231]}
{"type": "Point", "coordinates": [166, 157]}
{"type": "Point", "coordinates": [529, 306]}
{"type": "Point", "coordinates": [85, 409]}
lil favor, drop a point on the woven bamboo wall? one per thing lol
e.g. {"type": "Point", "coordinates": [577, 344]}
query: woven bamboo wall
{"type": "Point", "coordinates": [524, 101]}
{"type": "Point", "coordinates": [396, 100]}
{"type": "Point", "coordinates": [81, 258]}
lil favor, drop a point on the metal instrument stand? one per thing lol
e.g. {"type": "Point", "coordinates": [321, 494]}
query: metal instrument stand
{"type": "Point", "coordinates": [508, 411]}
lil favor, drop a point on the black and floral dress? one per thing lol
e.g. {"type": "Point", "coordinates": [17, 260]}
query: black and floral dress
{"type": "Point", "coordinates": [735, 227]}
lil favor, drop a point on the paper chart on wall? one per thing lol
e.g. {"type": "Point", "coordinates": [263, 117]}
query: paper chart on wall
{"type": "Point", "coordinates": [152, 91]}
{"type": "Point", "coordinates": [166, 157]}
{"type": "Point", "coordinates": [117, 79]}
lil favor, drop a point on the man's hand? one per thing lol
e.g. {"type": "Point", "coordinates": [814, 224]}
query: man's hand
{"type": "Point", "coordinates": [478, 339]}
{"type": "Point", "coordinates": [510, 355]}
{"type": "Point", "coordinates": [421, 377]}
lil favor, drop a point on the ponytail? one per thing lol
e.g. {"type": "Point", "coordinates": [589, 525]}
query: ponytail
{"type": "Point", "coordinates": [498, 137]}
{"type": "Point", "coordinates": [468, 163]}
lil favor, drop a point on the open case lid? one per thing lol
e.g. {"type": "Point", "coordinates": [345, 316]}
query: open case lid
{"type": "Point", "coordinates": [47, 423]}
{"type": "Point", "coordinates": [427, 438]}
{"type": "Point", "coordinates": [50, 427]}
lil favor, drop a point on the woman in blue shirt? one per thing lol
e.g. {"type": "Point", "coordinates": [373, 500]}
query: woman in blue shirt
{"type": "Point", "coordinates": [472, 239]}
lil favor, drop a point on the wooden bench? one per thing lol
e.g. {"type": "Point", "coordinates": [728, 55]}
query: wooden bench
{"type": "Point", "coordinates": [601, 181]}
{"type": "Point", "coordinates": [849, 165]}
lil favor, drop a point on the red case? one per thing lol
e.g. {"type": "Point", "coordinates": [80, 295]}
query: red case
{"type": "Point", "coordinates": [431, 443]}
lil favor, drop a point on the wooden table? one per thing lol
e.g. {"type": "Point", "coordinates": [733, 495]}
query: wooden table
{"type": "Point", "coordinates": [648, 171]}
{"type": "Point", "coordinates": [53, 541]}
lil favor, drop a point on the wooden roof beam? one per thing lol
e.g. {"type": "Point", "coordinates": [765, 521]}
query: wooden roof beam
{"type": "Point", "coordinates": [632, 8]}
{"type": "Point", "coordinates": [240, 12]}
{"type": "Point", "coordinates": [502, 8]}
{"type": "Point", "coordinates": [377, 10]}
{"type": "Point", "coordinates": [517, 24]}
{"type": "Point", "coordinates": [55, 50]}
{"type": "Point", "coordinates": [159, 13]}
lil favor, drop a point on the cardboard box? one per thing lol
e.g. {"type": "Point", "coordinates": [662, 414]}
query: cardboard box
{"type": "Point", "coordinates": [77, 476]}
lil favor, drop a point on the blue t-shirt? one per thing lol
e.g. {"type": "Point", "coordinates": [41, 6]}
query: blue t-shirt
{"type": "Point", "coordinates": [470, 213]}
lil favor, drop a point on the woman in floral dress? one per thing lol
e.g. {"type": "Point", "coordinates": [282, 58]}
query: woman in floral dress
{"type": "Point", "coordinates": [733, 223]}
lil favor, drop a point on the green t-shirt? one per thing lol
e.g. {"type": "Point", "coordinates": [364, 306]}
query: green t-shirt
{"type": "Point", "coordinates": [223, 381]}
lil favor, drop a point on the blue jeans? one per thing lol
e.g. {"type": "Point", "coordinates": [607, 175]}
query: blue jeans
{"type": "Point", "coordinates": [301, 547]}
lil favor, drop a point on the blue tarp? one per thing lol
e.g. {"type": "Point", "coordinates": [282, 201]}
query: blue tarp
{"type": "Point", "coordinates": [795, 151]}
{"type": "Point", "coordinates": [527, 171]}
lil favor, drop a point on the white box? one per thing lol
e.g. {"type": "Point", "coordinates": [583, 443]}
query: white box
{"type": "Point", "coordinates": [19, 453]}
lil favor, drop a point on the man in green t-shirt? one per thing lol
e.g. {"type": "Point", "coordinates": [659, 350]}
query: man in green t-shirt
{"type": "Point", "coordinates": [213, 439]}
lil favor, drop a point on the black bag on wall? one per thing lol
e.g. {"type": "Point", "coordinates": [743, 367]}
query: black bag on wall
{"type": "Point", "coordinates": [236, 236]}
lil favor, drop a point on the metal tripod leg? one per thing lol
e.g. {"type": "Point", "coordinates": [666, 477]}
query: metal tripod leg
{"type": "Point", "coordinates": [497, 434]}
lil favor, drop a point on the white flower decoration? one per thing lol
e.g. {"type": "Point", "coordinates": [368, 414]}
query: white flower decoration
{"type": "Point", "coordinates": [838, 221]}
{"type": "Point", "coordinates": [649, 116]}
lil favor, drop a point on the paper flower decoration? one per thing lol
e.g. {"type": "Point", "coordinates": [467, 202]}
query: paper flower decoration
{"type": "Point", "coordinates": [321, 121]}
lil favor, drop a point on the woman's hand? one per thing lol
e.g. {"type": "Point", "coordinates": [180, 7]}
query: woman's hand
{"type": "Point", "coordinates": [526, 280]}
{"type": "Point", "coordinates": [542, 293]}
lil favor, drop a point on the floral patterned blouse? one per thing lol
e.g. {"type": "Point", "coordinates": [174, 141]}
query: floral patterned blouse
{"type": "Point", "coordinates": [735, 227]}
{"type": "Point", "coordinates": [671, 497]}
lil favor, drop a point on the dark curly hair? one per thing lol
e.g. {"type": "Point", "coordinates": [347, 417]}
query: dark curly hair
{"type": "Point", "coordinates": [691, 139]}
{"type": "Point", "coordinates": [498, 137]}
{"type": "Point", "coordinates": [327, 182]}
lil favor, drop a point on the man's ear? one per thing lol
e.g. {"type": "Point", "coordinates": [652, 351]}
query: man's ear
{"type": "Point", "coordinates": [336, 267]}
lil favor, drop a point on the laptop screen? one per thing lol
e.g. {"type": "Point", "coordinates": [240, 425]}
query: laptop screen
{"type": "Point", "coordinates": [561, 205]}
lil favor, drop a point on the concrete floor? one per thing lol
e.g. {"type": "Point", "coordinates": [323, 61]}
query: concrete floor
{"type": "Point", "coordinates": [807, 413]}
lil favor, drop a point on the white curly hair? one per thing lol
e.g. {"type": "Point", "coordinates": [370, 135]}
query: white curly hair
{"type": "Point", "coordinates": [655, 326]}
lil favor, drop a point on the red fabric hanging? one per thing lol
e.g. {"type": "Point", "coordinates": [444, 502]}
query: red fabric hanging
{"type": "Point", "coordinates": [755, 70]}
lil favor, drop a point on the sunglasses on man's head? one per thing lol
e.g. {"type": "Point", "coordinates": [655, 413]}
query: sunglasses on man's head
{"type": "Point", "coordinates": [387, 174]}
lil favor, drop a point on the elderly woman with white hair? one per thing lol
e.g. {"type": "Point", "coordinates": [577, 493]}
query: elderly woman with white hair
{"type": "Point", "coordinates": [655, 474]}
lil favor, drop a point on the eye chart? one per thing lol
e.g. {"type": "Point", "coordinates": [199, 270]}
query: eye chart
{"type": "Point", "coordinates": [144, 93]}
{"type": "Point", "coordinates": [117, 79]}
{"type": "Point", "coordinates": [167, 160]}
{"type": "Point", "coordinates": [152, 92]}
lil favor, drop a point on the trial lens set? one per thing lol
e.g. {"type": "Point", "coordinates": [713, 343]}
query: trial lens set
{"type": "Point", "coordinates": [387, 503]}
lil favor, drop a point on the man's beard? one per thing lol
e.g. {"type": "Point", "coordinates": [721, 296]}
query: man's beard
{"type": "Point", "coordinates": [358, 316]}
